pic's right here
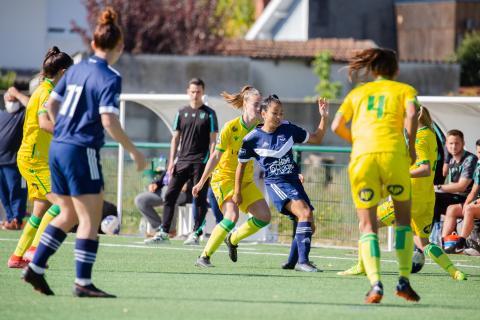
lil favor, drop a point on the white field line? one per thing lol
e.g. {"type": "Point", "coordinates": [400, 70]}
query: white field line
{"type": "Point", "coordinates": [140, 245]}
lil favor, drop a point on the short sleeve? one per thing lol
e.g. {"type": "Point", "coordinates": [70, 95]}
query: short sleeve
{"type": "Point", "coordinates": [59, 90]}
{"type": "Point", "coordinates": [42, 101]}
{"type": "Point", "coordinates": [176, 122]}
{"type": "Point", "coordinates": [110, 97]}
{"type": "Point", "coordinates": [213, 122]}
{"type": "Point", "coordinates": [469, 167]}
{"type": "Point", "coordinates": [246, 152]}
{"type": "Point", "coordinates": [299, 134]}
{"type": "Point", "coordinates": [223, 139]}
{"type": "Point", "coordinates": [476, 174]}
{"type": "Point", "coordinates": [346, 109]}
{"type": "Point", "coordinates": [411, 96]}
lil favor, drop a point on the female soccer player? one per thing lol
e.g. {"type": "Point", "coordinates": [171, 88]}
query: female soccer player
{"type": "Point", "coordinates": [271, 146]}
{"type": "Point", "coordinates": [422, 173]}
{"type": "Point", "coordinates": [82, 105]}
{"type": "Point", "coordinates": [32, 158]}
{"type": "Point", "coordinates": [380, 159]}
{"type": "Point", "coordinates": [223, 179]}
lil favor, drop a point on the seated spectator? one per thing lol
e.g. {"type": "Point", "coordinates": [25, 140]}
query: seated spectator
{"type": "Point", "coordinates": [13, 193]}
{"type": "Point", "coordinates": [469, 211]}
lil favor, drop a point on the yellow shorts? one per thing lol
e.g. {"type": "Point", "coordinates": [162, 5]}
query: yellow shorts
{"type": "Point", "coordinates": [370, 174]}
{"type": "Point", "coordinates": [223, 190]}
{"type": "Point", "coordinates": [37, 176]}
{"type": "Point", "coordinates": [422, 215]}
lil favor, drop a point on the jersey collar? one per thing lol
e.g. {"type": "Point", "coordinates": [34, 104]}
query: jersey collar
{"type": "Point", "coordinates": [245, 125]}
{"type": "Point", "coordinates": [97, 59]}
{"type": "Point", "coordinates": [49, 81]}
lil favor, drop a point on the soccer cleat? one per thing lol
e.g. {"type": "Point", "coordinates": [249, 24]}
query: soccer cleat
{"type": "Point", "coordinates": [306, 267]}
{"type": "Point", "coordinates": [472, 252]}
{"type": "Point", "coordinates": [16, 262]}
{"type": "Point", "coordinates": [288, 265]}
{"type": "Point", "coordinates": [375, 294]}
{"type": "Point", "coordinates": [404, 290]}
{"type": "Point", "coordinates": [159, 238]}
{"type": "Point", "coordinates": [192, 240]}
{"type": "Point", "coordinates": [90, 291]}
{"type": "Point", "coordinates": [28, 256]}
{"type": "Point", "coordinates": [356, 270]}
{"type": "Point", "coordinates": [203, 262]}
{"type": "Point", "coordinates": [458, 246]}
{"type": "Point", "coordinates": [459, 275]}
{"type": "Point", "coordinates": [37, 281]}
{"type": "Point", "coordinates": [232, 249]}
{"type": "Point", "coordinates": [12, 225]}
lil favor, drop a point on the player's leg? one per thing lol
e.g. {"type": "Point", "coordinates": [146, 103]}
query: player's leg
{"type": "Point", "coordinates": [200, 203]}
{"type": "Point", "coordinates": [293, 255]}
{"type": "Point", "coordinates": [471, 212]}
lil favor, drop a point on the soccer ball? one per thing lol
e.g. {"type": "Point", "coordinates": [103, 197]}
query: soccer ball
{"type": "Point", "coordinates": [110, 225]}
{"type": "Point", "coordinates": [418, 260]}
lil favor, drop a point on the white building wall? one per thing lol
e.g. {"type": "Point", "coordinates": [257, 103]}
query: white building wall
{"type": "Point", "coordinates": [24, 30]}
{"type": "Point", "coordinates": [295, 27]}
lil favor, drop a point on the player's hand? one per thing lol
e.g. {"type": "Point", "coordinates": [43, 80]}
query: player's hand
{"type": "Point", "coordinates": [171, 167]}
{"type": "Point", "coordinates": [152, 187]}
{"type": "Point", "coordinates": [323, 107]}
{"type": "Point", "coordinates": [12, 94]}
{"type": "Point", "coordinates": [237, 198]}
{"type": "Point", "coordinates": [139, 159]}
{"type": "Point", "coordinates": [196, 189]}
{"type": "Point", "coordinates": [301, 178]}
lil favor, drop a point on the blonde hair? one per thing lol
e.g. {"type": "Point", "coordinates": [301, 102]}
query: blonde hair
{"type": "Point", "coordinates": [425, 118]}
{"type": "Point", "coordinates": [237, 100]}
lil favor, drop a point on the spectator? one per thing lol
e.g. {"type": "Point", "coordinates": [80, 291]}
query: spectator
{"type": "Point", "coordinates": [469, 211]}
{"type": "Point", "coordinates": [13, 193]}
{"type": "Point", "coordinates": [195, 131]}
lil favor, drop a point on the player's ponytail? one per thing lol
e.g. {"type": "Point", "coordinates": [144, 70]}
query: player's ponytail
{"type": "Point", "coordinates": [377, 61]}
{"type": "Point", "coordinates": [237, 100]}
{"type": "Point", "coordinates": [425, 118]}
{"type": "Point", "coordinates": [55, 60]}
{"type": "Point", "coordinates": [108, 33]}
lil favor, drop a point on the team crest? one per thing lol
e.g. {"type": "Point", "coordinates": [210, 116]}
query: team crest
{"type": "Point", "coordinates": [395, 189]}
{"type": "Point", "coordinates": [186, 114]}
{"type": "Point", "coordinates": [427, 229]}
{"type": "Point", "coordinates": [234, 129]}
{"type": "Point", "coordinates": [202, 115]}
{"type": "Point", "coordinates": [366, 194]}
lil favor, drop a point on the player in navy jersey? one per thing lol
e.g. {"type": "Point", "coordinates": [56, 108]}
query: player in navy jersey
{"type": "Point", "coordinates": [271, 146]}
{"type": "Point", "coordinates": [82, 105]}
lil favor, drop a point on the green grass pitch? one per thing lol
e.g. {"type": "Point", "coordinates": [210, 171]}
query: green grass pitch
{"type": "Point", "coordinates": [162, 283]}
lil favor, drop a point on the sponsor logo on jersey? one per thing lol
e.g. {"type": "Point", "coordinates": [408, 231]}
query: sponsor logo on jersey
{"type": "Point", "coordinates": [395, 189]}
{"type": "Point", "coordinates": [186, 114]}
{"type": "Point", "coordinates": [202, 115]}
{"type": "Point", "coordinates": [427, 229]}
{"type": "Point", "coordinates": [366, 194]}
{"type": "Point", "coordinates": [234, 129]}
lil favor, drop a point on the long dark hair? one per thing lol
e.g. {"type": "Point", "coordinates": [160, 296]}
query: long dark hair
{"type": "Point", "coordinates": [380, 61]}
{"type": "Point", "coordinates": [55, 60]}
{"type": "Point", "coordinates": [108, 32]}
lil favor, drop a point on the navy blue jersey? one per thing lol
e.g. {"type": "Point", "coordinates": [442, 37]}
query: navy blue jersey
{"type": "Point", "coordinates": [273, 151]}
{"type": "Point", "coordinates": [87, 90]}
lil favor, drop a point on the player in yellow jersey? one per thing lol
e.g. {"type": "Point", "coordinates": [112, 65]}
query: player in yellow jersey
{"type": "Point", "coordinates": [422, 173]}
{"type": "Point", "coordinates": [380, 160]}
{"type": "Point", "coordinates": [224, 160]}
{"type": "Point", "coordinates": [32, 158]}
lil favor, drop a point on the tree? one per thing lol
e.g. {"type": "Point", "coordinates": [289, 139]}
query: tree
{"type": "Point", "coordinates": [322, 68]}
{"type": "Point", "coordinates": [239, 15]}
{"type": "Point", "coordinates": [162, 26]}
{"type": "Point", "coordinates": [468, 55]}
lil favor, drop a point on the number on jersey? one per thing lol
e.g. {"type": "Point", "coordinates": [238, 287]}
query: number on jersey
{"type": "Point", "coordinates": [72, 97]}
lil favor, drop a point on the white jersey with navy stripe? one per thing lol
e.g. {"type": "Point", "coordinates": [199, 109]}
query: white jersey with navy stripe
{"type": "Point", "coordinates": [87, 90]}
{"type": "Point", "coordinates": [273, 151]}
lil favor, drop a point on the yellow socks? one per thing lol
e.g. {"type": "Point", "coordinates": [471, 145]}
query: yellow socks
{"type": "Point", "coordinates": [218, 235]}
{"type": "Point", "coordinates": [27, 236]}
{"type": "Point", "coordinates": [370, 253]}
{"type": "Point", "coordinates": [438, 255]}
{"type": "Point", "coordinates": [404, 249]}
{"type": "Point", "coordinates": [51, 213]}
{"type": "Point", "coordinates": [250, 227]}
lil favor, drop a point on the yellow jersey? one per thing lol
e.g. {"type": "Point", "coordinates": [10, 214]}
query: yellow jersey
{"type": "Point", "coordinates": [377, 110]}
{"type": "Point", "coordinates": [229, 142]}
{"type": "Point", "coordinates": [36, 141]}
{"type": "Point", "coordinates": [426, 149]}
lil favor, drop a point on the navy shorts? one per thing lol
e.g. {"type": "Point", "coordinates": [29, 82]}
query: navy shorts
{"type": "Point", "coordinates": [75, 170]}
{"type": "Point", "coordinates": [281, 193]}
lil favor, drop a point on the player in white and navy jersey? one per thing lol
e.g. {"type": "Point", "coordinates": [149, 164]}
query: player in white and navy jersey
{"type": "Point", "coordinates": [83, 104]}
{"type": "Point", "coordinates": [271, 146]}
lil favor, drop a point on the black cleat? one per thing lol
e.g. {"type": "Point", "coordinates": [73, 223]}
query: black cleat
{"type": "Point", "coordinates": [288, 265]}
{"type": "Point", "coordinates": [37, 281]}
{"type": "Point", "coordinates": [404, 290]}
{"type": "Point", "coordinates": [232, 249]}
{"type": "Point", "coordinates": [203, 262]}
{"type": "Point", "coordinates": [90, 291]}
{"type": "Point", "coordinates": [375, 294]}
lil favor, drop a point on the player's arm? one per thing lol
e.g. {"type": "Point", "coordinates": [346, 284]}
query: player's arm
{"type": "Point", "coordinates": [237, 194]}
{"type": "Point", "coordinates": [44, 122]}
{"type": "Point", "coordinates": [472, 195]}
{"type": "Point", "coordinates": [317, 136]}
{"type": "Point", "coordinates": [411, 125]}
{"type": "Point", "coordinates": [453, 187]}
{"type": "Point", "coordinates": [52, 106]}
{"type": "Point", "coordinates": [421, 171]}
{"type": "Point", "coordinates": [173, 151]}
{"type": "Point", "coordinates": [213, 139]}
{"type": "Point", "coordinates": [339, 126]}
{"type": "Point", "coordinates": [12, 91]}
{"type": "Point", "coordinates": [112, 125]}
{"type": "Point", "coordinates": [211, 164]}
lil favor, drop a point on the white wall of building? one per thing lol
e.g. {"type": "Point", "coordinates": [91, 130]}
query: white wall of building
{"type": "Point", "coordinates": [29, 27]}
{"type": "Point", "coordinates": [295, 27]}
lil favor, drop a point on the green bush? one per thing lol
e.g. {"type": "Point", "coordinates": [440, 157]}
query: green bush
{"type": "Point", "coordinates": [7, 80]}
{"type": "Point", "coordinates": [468, 55]}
